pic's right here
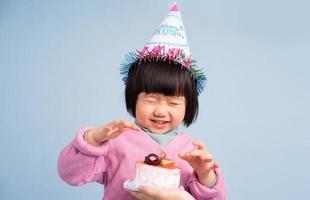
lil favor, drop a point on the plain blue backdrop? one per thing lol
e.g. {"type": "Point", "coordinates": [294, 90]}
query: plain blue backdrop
{"type": "Point", "coordinates": [59, 64]}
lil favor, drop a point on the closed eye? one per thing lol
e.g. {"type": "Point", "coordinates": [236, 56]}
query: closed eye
{"type": "Point", "coordinates": [175, 103]}
{"type": "Point", "coordinates": [150, 99]}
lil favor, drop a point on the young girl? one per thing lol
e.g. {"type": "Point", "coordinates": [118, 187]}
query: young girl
{"type": "Point", "coordinates": [162, 87]}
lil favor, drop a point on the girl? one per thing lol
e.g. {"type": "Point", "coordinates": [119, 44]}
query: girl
{"type": "Point", "coordinates": [160, 95]}
{"type": "Point", "coordinates": [162, 87]}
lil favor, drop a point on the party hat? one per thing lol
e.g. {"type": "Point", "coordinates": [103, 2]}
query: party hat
{"type": "Point", "coordinates": [168, 42]}
{"type": "Point", "coordinates": [171, 33]}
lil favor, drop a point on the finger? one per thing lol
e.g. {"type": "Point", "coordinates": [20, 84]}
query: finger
{"type": "Point", "coordinates": [198, 154]}
{"type": "Point", "coordinates": [137, 195]}
{"type": "Point", "coordinates": [115, 128]}
{"type": "Point", "coordinates": [116, 123]}
{"type": "Point", "coordinates": [112, 133]}
{"type": "Point", "coordinates": [126, 124]}
{"type": "Point", "coordinates": [110, 126]}
{"type": "Point", "coordinates": [150, 191]}
{"type": "Point", "coordinates": [112, 130]}
{"type": "Point", "coordinates": [182, 155]}
{"type": "Point", "coordinates": [204, 160]}
{"type": "Point", "coordinates": [216, 165]}
{"type": "Point", "coordinates": [185, 157]}
{"type": "Point", "coordinates": [107, 128]}
{"type": "Point", "coordinates": [195, 153]}
{"type": "Point", "coordinates": [205, 157]}
{"type": "Point", "coordinates": [200, 145]}
{"type": "Point", "coordinates": [106, 132]}
{"type": "Point", "coordinates": [209, 166]}
{"type": "Point", "coordinates": [202, 156]}
{"type": "Point", "coordinates": [208, 158]}
{"type": "Point", "coordinates": [113, 124]}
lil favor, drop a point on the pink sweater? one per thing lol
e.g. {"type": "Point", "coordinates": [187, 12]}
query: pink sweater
{"type": "Point", "coordinates": [114, 162]}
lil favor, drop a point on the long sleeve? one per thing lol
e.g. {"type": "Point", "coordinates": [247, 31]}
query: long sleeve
{"type": "Point", "coordinates": [80, 162]}
{"type": "Point", "coordinates": [201, 192]}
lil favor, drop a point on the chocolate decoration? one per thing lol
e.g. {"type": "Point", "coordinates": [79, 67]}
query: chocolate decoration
{"type": "Point", "coordinates": [162, 155]}
{"type": "Point", "coordinates": [152, 159]}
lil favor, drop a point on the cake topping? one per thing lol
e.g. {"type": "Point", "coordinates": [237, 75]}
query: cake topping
{"type": "Point", "coordinates": [153, 159]}
{"type": "Point", "coordinates": [162, 155]}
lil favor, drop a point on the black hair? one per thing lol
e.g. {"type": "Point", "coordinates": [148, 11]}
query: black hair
{"type": "Point", "coordinates": [165, 77]}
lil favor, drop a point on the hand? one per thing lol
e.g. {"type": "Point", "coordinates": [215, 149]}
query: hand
{"type": "Point", "coordinates": [151, 193]}
{"type": "Point", "coordinates": [109, 131]}
{"type": "Point", "coordinates": [202, 162]}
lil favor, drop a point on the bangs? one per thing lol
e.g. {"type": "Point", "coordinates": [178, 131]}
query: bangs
{"type": "Point", "coordinates": [167, 78]}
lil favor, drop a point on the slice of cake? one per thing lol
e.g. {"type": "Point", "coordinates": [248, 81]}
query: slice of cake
{"type": "Point", "coordinates": [155, 171]}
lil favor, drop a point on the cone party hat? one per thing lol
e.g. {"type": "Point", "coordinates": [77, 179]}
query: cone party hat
{"type": "Point", "coordinates": [168, 42]}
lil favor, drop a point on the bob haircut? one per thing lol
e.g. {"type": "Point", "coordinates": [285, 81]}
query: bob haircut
{"type": "Point", "coordinates": [165, 77]}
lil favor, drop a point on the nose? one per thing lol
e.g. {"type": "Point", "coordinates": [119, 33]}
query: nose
{"type": "Point", "coordinates": [160, 111]}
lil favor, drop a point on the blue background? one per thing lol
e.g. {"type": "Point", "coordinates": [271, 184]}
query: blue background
{"type": "Point", "coordinates": [59, 64]}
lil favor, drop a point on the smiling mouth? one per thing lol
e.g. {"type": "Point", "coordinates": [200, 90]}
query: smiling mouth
{"type": "Point", "coordinates": [159, 121]}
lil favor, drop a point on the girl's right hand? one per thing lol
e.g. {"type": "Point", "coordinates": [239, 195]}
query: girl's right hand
{"type": "Point", "coordinates": [109, 131]}
{"type": "Point", "coordinates": [150, 193]}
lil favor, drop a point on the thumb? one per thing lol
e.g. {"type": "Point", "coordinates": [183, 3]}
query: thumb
{"type": "Point", "coordinates": [147, 190]}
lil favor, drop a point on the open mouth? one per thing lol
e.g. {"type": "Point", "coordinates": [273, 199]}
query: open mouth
{"type": "Point", "coordinates": [159, 122]}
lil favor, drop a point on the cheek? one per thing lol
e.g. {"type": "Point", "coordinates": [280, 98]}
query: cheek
{"type": "Point", "coordinates": [182, 113]}
{"type": "Point", "coordinates": [179, 114]}
{"type": "Point", "coordinates": [142, 111]}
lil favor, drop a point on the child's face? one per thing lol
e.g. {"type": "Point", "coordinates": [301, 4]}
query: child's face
{"type": "Point", "coordinates": [160, 113]}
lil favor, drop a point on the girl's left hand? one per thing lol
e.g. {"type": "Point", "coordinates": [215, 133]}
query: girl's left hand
{"type": "Point", "coordinates": [202, 162]}
{"type": "Point", "coordinates": [151, 193]}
